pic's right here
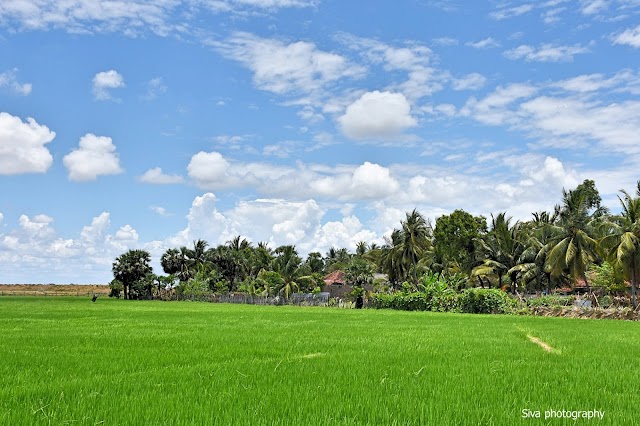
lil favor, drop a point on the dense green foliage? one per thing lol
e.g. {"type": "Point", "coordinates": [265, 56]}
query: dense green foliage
{"type": "Point", "coordinates": [577, 245]}
{"type": "Point", "coordinates": [114, 362]}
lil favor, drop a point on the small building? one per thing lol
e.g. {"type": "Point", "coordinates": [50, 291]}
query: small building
{"type": "Point", "coordinates": [335, 284]}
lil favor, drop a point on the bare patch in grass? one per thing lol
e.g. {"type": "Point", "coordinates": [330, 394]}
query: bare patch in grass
{"type": "Point", "coordinates": [542, 344]}
{"type": "Point", "coordinates": [314, 355]}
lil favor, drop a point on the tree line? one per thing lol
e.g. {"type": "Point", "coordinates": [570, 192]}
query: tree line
{"type": "Point", "coordinates": [578, 242]}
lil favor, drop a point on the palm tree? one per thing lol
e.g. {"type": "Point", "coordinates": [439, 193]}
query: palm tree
{"type": "Point", "coordinates": [315, 262]}
{"type": "Point", "coordinates": [287, 264]}
{"type": "Point", "coordinates": [575, 248]}
{"type": "Point", "coordinates": [391, 258]}
{"type": "Point", "coordinates": [415, 240]}
{"type": "Point", "coordinates": [198, 254]}
{"type": "Point", "coordinates": [361, 248]}
{"type": "Point", "coordinates": [177, 262]}
{"type": "Point", "coordinates": [622, 246]}
{"type": "Point", "coordinates": [499, 249]}
{"type": "Point", "coordinates": [131, 268]}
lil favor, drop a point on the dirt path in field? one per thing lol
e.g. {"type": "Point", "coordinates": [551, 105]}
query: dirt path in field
{"type": "Point", "coordinates": [542, 344]}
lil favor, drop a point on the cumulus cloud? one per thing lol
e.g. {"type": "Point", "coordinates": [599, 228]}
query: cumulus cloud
{"type": "Point", "coordinates": [158, 177]}
{"type": "Point", "coordinates": [286, 68]}
{"type": "Point", "coordinates": [22, 146]}
{"type": "Point", "coordinates": [9, 80]}
{"type": "Point", "coordinates": [45, 256]}
{"type": "Point", "coordinates": [96, 156]}
{"type": "Point", "coordinates": [105, 81]}
{"type": "Point", "coordinates": [209, 169]}
{"type": "Point", "coordinates": [274, 221]}
{"type": "Point", "coordinates": [629, 37]}
{"type": "Point", "coordinates": [546, 53]}
{"type": "Point", "coordinates": [377, 115]}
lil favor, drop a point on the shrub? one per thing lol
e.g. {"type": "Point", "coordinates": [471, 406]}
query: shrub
{"type": "Point", "coordinates": [550, 301]}
{"type": "Point", "coordinates": [486, 301]}
{"type": "Point", "coordinates": [116, 287]}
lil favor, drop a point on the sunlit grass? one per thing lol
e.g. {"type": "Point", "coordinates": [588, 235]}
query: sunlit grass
{"type": "Point", "coordinates": [70, 361]}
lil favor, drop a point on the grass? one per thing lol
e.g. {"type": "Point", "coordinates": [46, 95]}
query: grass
{"type": "Point", "coordinates": [70, 361]}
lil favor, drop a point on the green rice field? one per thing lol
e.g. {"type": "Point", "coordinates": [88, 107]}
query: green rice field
{"type": "Point", "coordinates": [67, 361]}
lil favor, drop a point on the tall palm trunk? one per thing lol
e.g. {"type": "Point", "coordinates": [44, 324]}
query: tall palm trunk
{"type": "Point", "coordinates": [634, 285]}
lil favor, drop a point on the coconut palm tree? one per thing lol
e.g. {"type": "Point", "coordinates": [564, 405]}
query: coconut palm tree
{"type": "Point", "coordinates": [287, 264]}
{"type": "Point", "coordinates": [574, 248]}
{"type": "Point", "coordinates": [415, 241]}
{"type": "Point", "coordinates": [622, 246]}
{"type": "Point", "coordinates": [499, 249]}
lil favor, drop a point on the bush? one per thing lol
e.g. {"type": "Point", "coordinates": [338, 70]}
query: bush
{"type": "Point", "coordinates": [550, 301]}
{"type": "Point", "coordinates": [486, 301]}
{"type": "Point", "coordinates": [116, 288]}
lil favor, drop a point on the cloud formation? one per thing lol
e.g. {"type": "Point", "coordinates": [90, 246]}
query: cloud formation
{"type": "Point", "coordinates": [96, 156]}
{"type": "Point", "coordinates": [547, 52]}
{"type": "Point", "coordinates": [104, 82]}
{"type": "Point", "coordinates": [8, 79]}
{"type": "Point", "coordinates": [286, 68]}
{"type": "Point", "coordinates": [22, 146]}
{"type": "Point", "coordinates": [377, 115]}
{"type": "Point", "coordinates": [157, 177]}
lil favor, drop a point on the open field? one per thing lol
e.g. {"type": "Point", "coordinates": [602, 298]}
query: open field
{"type": "Point", "coordinates": [52, 289]}
{"type": "Point", "coordinates": [114, 362]}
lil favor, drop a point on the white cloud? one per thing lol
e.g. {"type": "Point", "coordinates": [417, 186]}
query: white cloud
{"type": "Point", "coordinates": [130, 17]}
{"type": "Point", "coordinates": [473, 81]}
{"type": "Point", "coordinates": [565, 120]}
{"type": "Point", "coordinates": [156, 176]}
{"type": "Point", "coordinates": [614, 125]}
{"type": "Point", "coordinates": [274, 221]}
{"type": "Point", "coordinates": [8, 79]}
{"type": "Point", "coordinates": [293, 68]}
{"type": "Point", "coordinates": [546, 53]}
{"type": "Point", "coordinates": [495, 108]}
{"type": "Point", "coordinates": [591, 7]}
{"type": "Point", "coordinates": [209, 169]}
{"type": "Point", "coordinates": [630, 37]}
{"type": "Point", "coordinates": [22, 146]}
{"type": "Point", "coordinates": [344, 233]}
{"type": "Point", "coordinates": [244, 7]}
{"type": "Point", "coordinates": [484, 43]}
{"type": "Point", "coordinates": [377, 115]}
{"type": "Point", "coordinates": [105, 81]}
{"type": "Point", "coordinates": [552, 16]}
{"type": "Point", "coordinates": [155, 88]}
{"type": "Point", "coordinates": [96, 156]}
{"type": "Point", "coordinates": [510, 12]}
{"type": "Point", "coordinates": [445, 41]}
{"type": "Point", "coordinates": [1, 217]}
{"type": "Point", "coordinates": [44, 256]}
{"type": "Point", "coordinates": [127, 234]}
{"type": "Point", "coordinates": [422, 79]}
{"type": "Point", "coordinates": [160, 211]}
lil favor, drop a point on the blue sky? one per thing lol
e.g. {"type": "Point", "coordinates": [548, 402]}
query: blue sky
{"type": "Point", "coordinates": [316, 123]}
